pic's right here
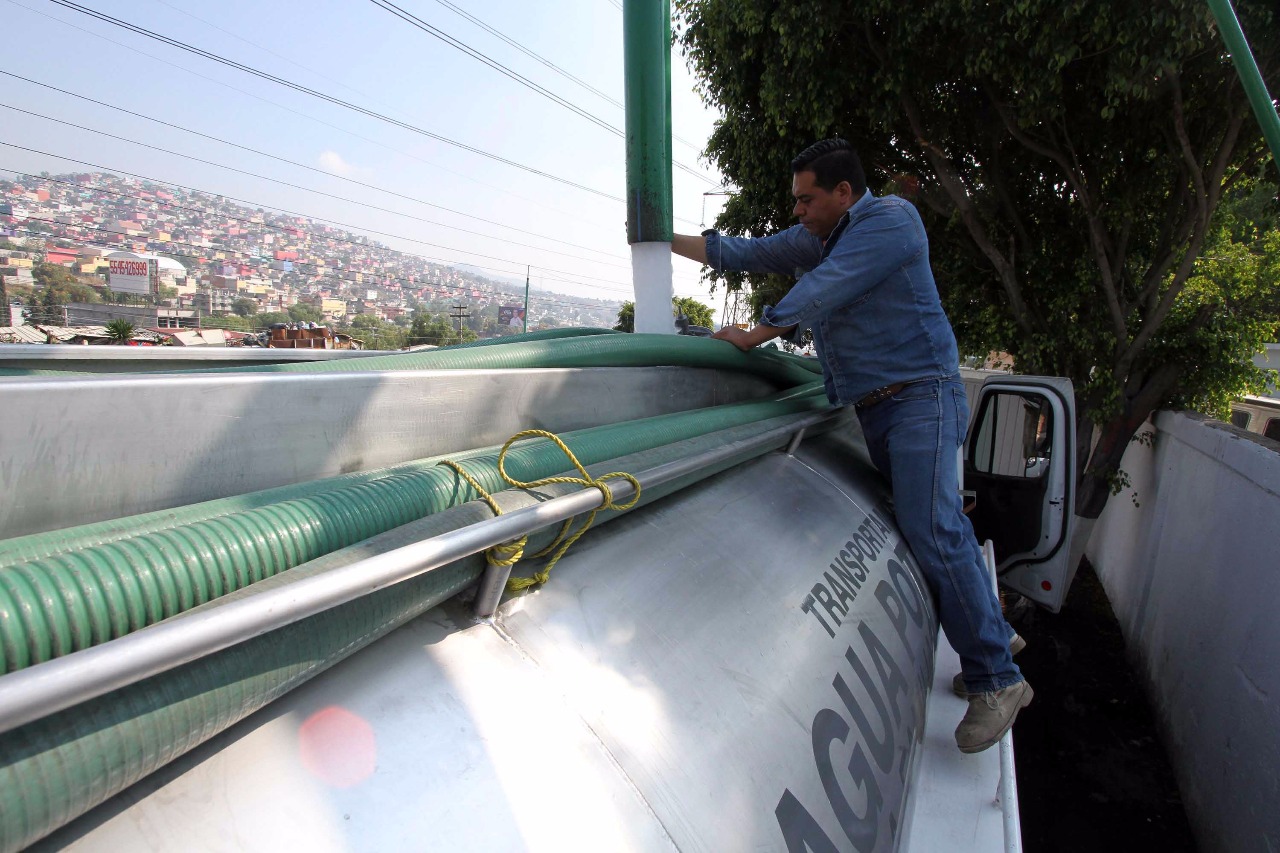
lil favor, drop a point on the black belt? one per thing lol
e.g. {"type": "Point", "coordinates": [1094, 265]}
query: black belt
{"type": "Point", "coordinates": [881, 394]}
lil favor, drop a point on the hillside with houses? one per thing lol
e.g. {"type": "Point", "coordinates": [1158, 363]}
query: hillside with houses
{"type": "Point", "coordinates": [224, 264]}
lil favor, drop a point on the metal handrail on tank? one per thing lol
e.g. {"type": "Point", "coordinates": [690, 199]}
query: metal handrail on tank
{"type": "Point", "coordinates": [1007, 790]}
{"type": "Point", "coordinates": [46, 688]}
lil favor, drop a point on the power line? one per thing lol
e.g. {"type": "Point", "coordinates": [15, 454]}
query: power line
{"type": "Point", "coordinates": [289, 184]}
{"type": "Point", "coordinates": [63, 23]}
{"type": "Point", "coordinates": [230, 63]}
{"type": "Point", "coordinates": [239, 66]}
{"type": "Point", "coordinates": [529, 53]}
{"type": "Point", "coordinates": [265, 49]}
{"type": "Point", "coordinates": [301, 166]}
{"type": "Point", "coordinates": [484, 59]}
{"type": "Point", "coordinates": [556, 68]}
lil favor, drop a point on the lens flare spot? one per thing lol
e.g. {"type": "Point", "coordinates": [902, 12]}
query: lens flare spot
{"type": "Point", "coordinates": [338, 747]}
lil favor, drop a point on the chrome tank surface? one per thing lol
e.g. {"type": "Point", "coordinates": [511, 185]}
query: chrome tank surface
{"type": "Point", "coordinates": [742, 666]}
{"type": "Point", "coordinates": [112, 359]}
{"type": "Point", "coordinates": [171, 440]}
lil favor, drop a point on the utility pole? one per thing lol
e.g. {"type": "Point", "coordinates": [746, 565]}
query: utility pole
{"type": "Point", "coordinates": [526, 297]}
{"type": "Point", "coordinates": [459, 313]}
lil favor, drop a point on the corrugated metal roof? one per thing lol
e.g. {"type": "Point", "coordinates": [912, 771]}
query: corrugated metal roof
{"type": "Point", "coordinates": [40, 334]}
{"type": "Point", "coordinates": [21, 335]}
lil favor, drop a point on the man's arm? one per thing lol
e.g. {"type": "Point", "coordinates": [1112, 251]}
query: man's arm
{"type": "Point", "coordinates": [784, 252]}
{"type": "Point", "coordinates": [746, 339]}
{"type": "Point", "coordinates": [691, 247]}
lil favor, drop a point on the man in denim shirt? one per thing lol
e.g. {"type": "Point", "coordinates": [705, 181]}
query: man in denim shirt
{"type": "Point", "coordinates": [867, 293]}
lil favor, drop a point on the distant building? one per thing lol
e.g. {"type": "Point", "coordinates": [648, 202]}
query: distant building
{"type": "Point", "coordinates": [12, 258]}
{"type": "Point", "coordinates": [141, 316]}
{"type": "Point", "coordinates": [210, 300]}
{"type": "Point", "coordinates": [61, 257]}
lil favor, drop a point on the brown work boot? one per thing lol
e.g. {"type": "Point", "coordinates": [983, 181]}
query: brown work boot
{"type": "Point", "coordinates": [1016, 644]}
{"type": "Point", "coordinates": [990, 715]}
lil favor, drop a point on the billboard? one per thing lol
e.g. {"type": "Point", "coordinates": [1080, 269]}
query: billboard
{"type": "Point", "coordinates": [133, 275]}
{"type": "Point", "coordinates": [511, 316]}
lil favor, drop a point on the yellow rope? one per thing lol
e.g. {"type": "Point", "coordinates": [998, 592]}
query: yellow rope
{"type": "Point", "coordinates": [509, 553]}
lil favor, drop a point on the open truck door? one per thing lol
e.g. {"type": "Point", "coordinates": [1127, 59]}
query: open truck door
{"type": "Point", "coordinates": [1020, 464]}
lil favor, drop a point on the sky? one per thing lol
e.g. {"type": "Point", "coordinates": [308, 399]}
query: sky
{"type": "Point", "coordinates": [426, 197]}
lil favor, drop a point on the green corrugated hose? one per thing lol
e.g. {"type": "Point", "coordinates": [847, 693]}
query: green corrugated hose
{"type": "Point", "coordinates": [587, 350]}
{"type": "Point", "coordinates": [550, 348]}
{"type": "Point", "coordinates": [77, 598]}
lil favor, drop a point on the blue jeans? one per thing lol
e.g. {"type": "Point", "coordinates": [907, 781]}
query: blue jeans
{"type": "Point", "coordinates": [912, 437]}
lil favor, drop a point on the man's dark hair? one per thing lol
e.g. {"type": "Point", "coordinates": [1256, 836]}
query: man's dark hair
{"type": "Point", "coordinates": [832, 161]}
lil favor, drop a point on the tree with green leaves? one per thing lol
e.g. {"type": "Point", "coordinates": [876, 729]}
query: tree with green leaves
{"type": "Point", "coordinates": [227, 321]}
{"type": "Point", "coordinates": [244, 306]}
{"type": "Point", "coordinates": [430, 329]}
{"type": "Point", "coordinates": [626, 317]}
{"type": "Point", "coordinates": [698, 314]}
{"type": "Point", "coordinates": [120, 331]}
{"type": "Point", "coordinates": [301, 312]}
{"type": "Point", "coordinates": [53, 276]}
{"type": "Point", "coordinates": [270, 318]}
{"type": "Point", "coordinates": [57, 287]}
{"type": "Point", "coordinates": [375, 333]}
{"type": "Point", "coordinates": [1090, 173]}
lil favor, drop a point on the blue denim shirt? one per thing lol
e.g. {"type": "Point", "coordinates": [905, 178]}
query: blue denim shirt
{"type": "Point", "coordinates": [868, 295]}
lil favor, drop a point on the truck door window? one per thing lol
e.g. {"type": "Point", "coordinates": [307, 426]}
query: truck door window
{"type": "Point", "coordinates": [1015, 436]}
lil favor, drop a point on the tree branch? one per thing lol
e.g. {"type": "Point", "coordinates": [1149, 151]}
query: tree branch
{"type": "Point", "coordinates": [1097, 235]}
{"type": "Point", "coordinates": [1184, 148]}
{"type": "Point", "coordinates": [952, 184]}
{"type": "Point", "coordinates": [995, 175]}
{"type": "Point", "coordinates": [959, 194]}
{"type": "Point", "coordinates": [1211, 186]}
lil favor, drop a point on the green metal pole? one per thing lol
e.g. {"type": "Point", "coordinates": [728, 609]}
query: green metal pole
{"type": "Point", "coordinates": [646, 26]}
{"type": "Point", "coordinates": [666, 137]}
{"type": "Point", "coordinates": [1254, 86]}
{"type": "Point", "coordinates": [526, 298]}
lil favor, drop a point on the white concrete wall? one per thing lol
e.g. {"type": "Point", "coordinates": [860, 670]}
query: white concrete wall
{"type": "Point", "coordinates": [1193, 573]}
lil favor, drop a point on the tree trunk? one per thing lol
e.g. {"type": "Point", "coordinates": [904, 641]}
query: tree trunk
{"type": "Point", "coordinates": [1094, 483]}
